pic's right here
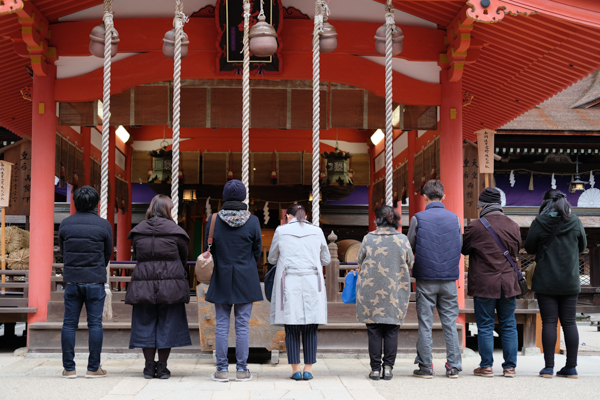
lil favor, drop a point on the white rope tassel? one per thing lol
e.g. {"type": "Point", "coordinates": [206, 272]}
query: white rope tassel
{"type": "Point", "coordinates": [178, 25]}
{"type": "Point", "coordinates": [109, 32]}
{"type": "Point", "coordinates": [389, 128]}
{"type": "Point", "coordinates": [246, 103]}
{"type": "Point", "coordinates": [318, 29]}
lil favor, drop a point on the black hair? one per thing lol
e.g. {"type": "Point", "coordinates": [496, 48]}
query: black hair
{"type": "Point", "coordinates": [161, 207]}
{"type": "Point", "coordinates": [555, 200]}
{"type": "Point", "coordinates": [297, 211]}
{"type": "Point", "coordinates": [433, 189]}
{"type": "Point", "coordinates": [387, 216]}
{"type": "Point", "coordinates": [86, 198]}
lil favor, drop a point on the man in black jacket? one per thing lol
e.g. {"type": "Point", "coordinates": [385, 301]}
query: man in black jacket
{"type": "Point", "coordinates": [86, 244]}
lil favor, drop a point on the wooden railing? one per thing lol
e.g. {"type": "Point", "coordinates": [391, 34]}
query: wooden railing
{"type": "Point", "coordinates": [14, 299]}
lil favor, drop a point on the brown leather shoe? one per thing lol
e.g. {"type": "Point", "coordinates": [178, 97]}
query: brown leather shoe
{"type": "Point", "coordinates": [509, 373]}
{"type": "Point", "coordinates": [488, 372]}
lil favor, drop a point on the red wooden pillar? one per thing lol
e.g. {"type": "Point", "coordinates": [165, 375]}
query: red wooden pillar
{"type": "Point", "coordinates": [416, 202]}
{"type": "Point", "coordinates": [124, 219]}
{"type": "Point", "coordinates": [72, 209]}
{"type": "Point", "coordinates": [86, 134]}
{"type": "Point", "coordinates": [110, 213]}
{"type": "Point", "coordinates": [372, 151]}
{"type": "Point", "coordinates": [43, 145]}
{"type": "Point", "coordinates": [451, 139]}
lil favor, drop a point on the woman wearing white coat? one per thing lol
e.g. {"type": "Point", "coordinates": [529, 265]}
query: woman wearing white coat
{"type": "Point", "coordinates": [299, 301]}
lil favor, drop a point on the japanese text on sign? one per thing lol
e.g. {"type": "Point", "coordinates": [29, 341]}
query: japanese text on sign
{"type": "Point", "coordinates": [485, 145]}
{"type": "Point", "coordinates": [5, 168]}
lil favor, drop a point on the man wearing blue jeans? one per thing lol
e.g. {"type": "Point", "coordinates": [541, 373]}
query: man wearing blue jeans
{"type": "Point", "coordinates": [493, 282]}
{"type": "Point", "coordinates": [86, 245]}
{"type": "Point", "coordinates": [435, 237]}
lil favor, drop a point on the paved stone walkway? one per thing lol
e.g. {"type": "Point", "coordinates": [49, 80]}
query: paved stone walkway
{"type": "Point", "coordinates": [33, 377]}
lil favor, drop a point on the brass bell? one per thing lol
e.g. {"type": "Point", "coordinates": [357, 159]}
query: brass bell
{"type": "Point", "coordinates": [328, 39]}
{"type": "Point", "coordinates": [97, 42]}
{"type": "Point", "coordinates": [169, 44]}
{"type": "Point", "coordinates": [263, 38]}
{"type": "Point", "coordinates": [397, 38]}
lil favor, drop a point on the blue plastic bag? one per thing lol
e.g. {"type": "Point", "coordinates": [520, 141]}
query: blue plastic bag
{"type": "Point", "coordinates": [349, 292]}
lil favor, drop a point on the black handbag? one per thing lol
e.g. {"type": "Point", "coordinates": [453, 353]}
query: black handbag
{"type": "Point", "coordinates": [269, 280]}
{"type": "Point", "coordinates": [522, 281]}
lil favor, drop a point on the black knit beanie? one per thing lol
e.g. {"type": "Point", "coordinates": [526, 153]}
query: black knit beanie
{"type": "Point", "coordinates": [490, 195]}
{"type": "Point", "coordinates": [234, 190]}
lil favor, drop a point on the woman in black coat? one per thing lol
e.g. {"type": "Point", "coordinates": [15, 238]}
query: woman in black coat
{"type": "Point", "coordinates": [159, 287]}
{"type": "Point", "coordinates": [235, 283]}
{"type": "Point", "coordinates": [556, 276]}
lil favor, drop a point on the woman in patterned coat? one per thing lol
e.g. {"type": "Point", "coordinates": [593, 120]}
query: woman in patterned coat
{"type": "Point", "coordinates": [383, 288]}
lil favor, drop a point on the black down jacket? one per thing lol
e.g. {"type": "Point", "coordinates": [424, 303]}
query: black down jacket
{"type": "Point", "coordinates": [160, 275]}
{"type": "Point", "coordinates": [86, 245]}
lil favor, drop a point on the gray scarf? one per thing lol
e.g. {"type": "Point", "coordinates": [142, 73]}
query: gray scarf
{"type": "Point", "coordinates": [487, 208]}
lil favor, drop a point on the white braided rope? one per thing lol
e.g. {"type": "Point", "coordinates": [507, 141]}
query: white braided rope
{"type": "Point", "coordinates": [109, 28]}
{"type": "Point", "coordinates": [178, 24]}
{"type": "Point", "coordinates": [246, 103]}
{"type": "Point", "coordinates": [320, 7]}
{"type": "Point", "coordinates": [389, 128]}
{"type": "Point", "coordinates": [107, 17]}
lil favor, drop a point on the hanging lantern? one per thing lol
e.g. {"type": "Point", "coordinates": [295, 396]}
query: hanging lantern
{"type": "Point", "coordinates": [337, 168]}
{"type": "Point", "coordinates": [328, 39]}
{"type": "Point", "coordinates": [97, 42]}
{"type": "Point", "coordinates": [397, 38]}
{"type": "Point", "coordinates": [169, 44]}
{"type": "Point", "coordinates": [263, 38]}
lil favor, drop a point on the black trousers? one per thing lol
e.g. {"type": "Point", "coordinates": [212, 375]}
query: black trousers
{"type": "Point", "coordinates": [382, 336]}
{"type": "Point", "coordinates": [553, 308]}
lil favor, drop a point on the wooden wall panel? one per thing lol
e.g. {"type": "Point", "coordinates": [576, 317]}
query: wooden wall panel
{"type": "Point", "coordinates": [120, 109]}
{"type": "Point", "coordinates": [226, 108]}
{"type": "Point", "coordinates": [361, 164]}
{"type": "Point", "coordinates": [141, 162]}
{"type": "Point", "coordinates": [289, 171]}
{"type": "Point", "coordinates": [151, 105]}
{"type": "Point", "coordinates": [193, 107]}
{"type": "Point", "coordinates": [268, 108]}
{"type": "Point", "coordinates": [347, 108]}
{"type": "Point", "coordinates": [190, 164]}
{"type": "Point", "coordinates": [214, 168]}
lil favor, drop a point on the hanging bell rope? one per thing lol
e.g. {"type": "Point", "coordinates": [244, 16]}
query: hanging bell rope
{"type": "Point", "coordinates": [110, 31]}
{"type": "Point", "coordinates": [321, 9]}
{"type": "Point", "coordinates": [246, 103]}
{"type": "Point", "coordinates": [178, 22]}
{"type": "Point", "coordinates": [389, 128]}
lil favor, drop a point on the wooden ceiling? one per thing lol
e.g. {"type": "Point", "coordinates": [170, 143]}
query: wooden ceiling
{"type": "Point", "coordinates": [524, 61]}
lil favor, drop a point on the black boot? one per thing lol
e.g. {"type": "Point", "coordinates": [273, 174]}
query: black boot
{"type": "Point", "coordinates": [161, 370]}
{"type": "Point", "coordinates": [150, 370]}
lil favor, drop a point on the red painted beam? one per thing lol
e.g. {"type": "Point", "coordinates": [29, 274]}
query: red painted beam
{"type": "Point", "coordinates": [145, 35]}
{"type": "Point", "coordinates": [340, 68]}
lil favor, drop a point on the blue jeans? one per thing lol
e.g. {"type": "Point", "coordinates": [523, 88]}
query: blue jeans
{"type": "Point", "coordinates": [484, 315]}
{"type": "Point", "coordinates": [242, 314]}
{"type": "Point", "coordinates": [76, 295]}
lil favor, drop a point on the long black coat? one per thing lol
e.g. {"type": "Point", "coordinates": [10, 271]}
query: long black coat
{"type": "Point", "coordinates": [160, 247]}
{"type": "Point", "coordinates": [235, 252]}
{"type": "Point", "coordinates": [86, 245]}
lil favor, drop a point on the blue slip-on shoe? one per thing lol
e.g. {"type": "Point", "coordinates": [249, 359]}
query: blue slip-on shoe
{"type": "Point", "coordinates": [307, 376]}
{"type": "Point", "coordinates": [568, 372]}
{"type": "Point", "coordinates": [297, 376]}
{"type": "Point", "coordinates": [547, 372]}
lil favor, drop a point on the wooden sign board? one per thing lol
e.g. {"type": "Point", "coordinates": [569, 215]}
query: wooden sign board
{"type": "Point", "coordinates": [230, 36]}
{"type": "Point", "coordinates": [473, 182]}
{"type": "Point", "coordinates": [485, 145]}
{"type": "Point", "coordinates": [20, 184]}
{"type": "Point", "coordinates": [5, 169]}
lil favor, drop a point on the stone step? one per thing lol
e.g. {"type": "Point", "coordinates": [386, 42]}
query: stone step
{"type": "Point", "coordinates": [121, 310]}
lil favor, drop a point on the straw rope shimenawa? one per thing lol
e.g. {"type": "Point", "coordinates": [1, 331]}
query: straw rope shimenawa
{"type": "Point", "coordinates": [107, 18]}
